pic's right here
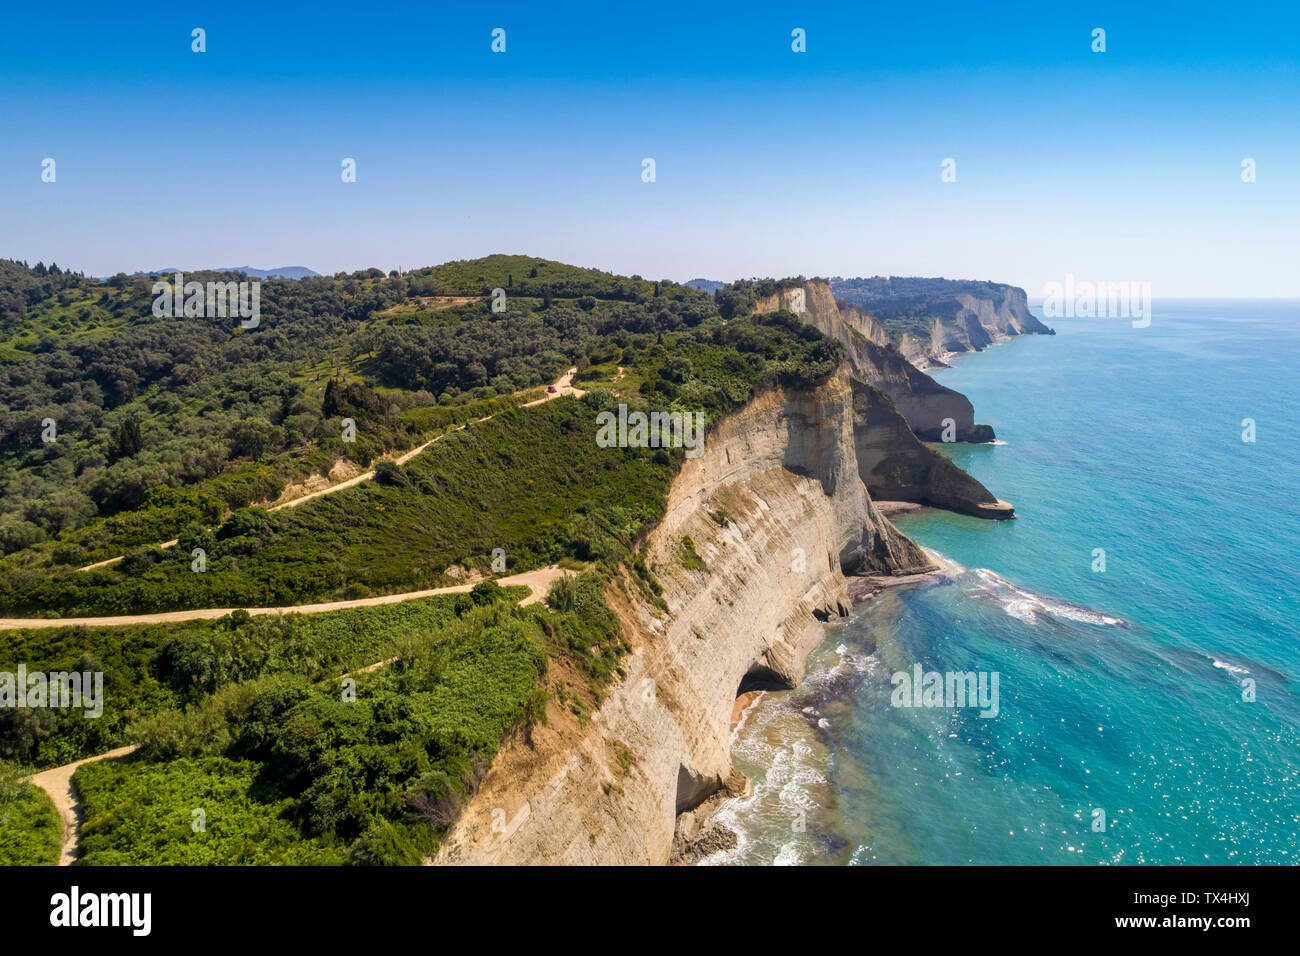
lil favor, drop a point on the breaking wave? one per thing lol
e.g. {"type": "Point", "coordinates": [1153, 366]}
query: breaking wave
{"type": "Point", "coordinates": [1031, 608]}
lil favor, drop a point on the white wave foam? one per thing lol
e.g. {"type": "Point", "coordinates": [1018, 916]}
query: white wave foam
{"type": "Point", "coordinates": [746, 714]}
{"type": "Point", "coordinates": [946, 565]}
{"type": "Point", "coordinates": [789, 856]}
{"type": "Point", "coordinates": [791, 783]}
{"type": "Point", "coordinates": [1030, 607]}
{"type": "Point", "coordinates": [1230, 668]}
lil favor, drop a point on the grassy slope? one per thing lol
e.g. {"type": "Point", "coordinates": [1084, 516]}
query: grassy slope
{"type": "Point", "coordinates": [532, 482]}
{"type": "Point", "coordinates": [30, 829]}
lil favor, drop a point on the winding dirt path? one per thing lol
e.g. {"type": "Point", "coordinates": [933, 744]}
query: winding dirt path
{"type": "Point", "coordinates": [563, 386]}
{"type": "Point", "coordinates": [358, 479]}
{"type": "Point", "coordinates": [537, 582]}
{"type": "Point", "coordinates": [57, 782]}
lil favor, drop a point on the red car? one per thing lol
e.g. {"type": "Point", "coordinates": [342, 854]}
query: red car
{"type": "Point", "coordinates": [551, 388]}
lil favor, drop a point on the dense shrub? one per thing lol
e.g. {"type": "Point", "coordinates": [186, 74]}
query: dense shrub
{"type": "Point", "coordinates": [192, 812]}
{"type": "Point", "coordinates": [31, 832]}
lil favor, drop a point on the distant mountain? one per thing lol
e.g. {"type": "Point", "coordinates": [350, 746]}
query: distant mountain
{"type": "Point", "coordinates": [705, 285]}
{"type": "Point", "coordinates": [284, 272]}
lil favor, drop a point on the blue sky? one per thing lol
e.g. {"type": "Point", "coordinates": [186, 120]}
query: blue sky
{"type": "Point", "coordinates": [1123, 165]}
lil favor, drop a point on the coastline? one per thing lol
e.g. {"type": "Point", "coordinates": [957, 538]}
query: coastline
{"type": "Point", "coordinates": [744, 707]}
{"type": "Point", "coordinates": [864, 587]}
{"type": "Point", "coordinates": [862, 590]}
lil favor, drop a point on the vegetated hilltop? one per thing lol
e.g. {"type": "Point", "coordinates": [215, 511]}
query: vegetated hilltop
{"type": "Point", "coordinates": [181, 448]}
{"type": "Point", "coordinates": [154, 416]}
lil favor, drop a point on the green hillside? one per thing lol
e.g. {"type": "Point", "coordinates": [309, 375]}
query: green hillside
{"type": "Point", "coordinates": [187, 427]}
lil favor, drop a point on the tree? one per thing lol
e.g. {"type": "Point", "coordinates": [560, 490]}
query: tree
{"type": "Point", "coordinates": [330, 404]}
{"type": "Point", "coordinates": [246, 522]}
{"type": "Point", "coordinates": [677, 369]}
{"type": "Point", "coordinates": [485, 592]}
{"type": "Point", "coordinates": [384, 844]}
{"type": "Point", "coordinates": [391, 473]}
{"type": "Point", "coordinates": [254, 437]}
{"type": "Point", "coordinates": [126, 440]}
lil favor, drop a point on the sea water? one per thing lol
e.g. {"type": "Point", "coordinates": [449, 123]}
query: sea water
{"type": "Point", "coordinates": [1141, 613]}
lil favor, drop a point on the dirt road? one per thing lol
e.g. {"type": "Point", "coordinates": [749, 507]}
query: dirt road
{"type": "Point", "coordinates": [58, 784]}
{"type": "Point", "coordinates": [563, 386]}
{"type": "Point", "coordinates": [538, 582]}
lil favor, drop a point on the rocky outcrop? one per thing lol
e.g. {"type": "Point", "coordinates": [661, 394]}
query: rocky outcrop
{"type": "Point", "coordinates": [927, 405]}
{"type": "Point", "coordinates": [919, 352]}
{"type": "Point", "coordinates": [863, 323]}
{"type": "Point", "coordinates": [775, 513]}
{"type": "Point", "coordinates": [896, 466]}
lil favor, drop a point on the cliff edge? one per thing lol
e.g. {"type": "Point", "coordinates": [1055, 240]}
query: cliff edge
{"type": "Point", "coordinates": [750, 555]}
{"type": "Point", "coordinates": [927, 406]}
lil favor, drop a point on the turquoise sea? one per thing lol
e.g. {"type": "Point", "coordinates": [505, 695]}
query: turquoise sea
{"type": "Point", "coordinates": [1122, 692]}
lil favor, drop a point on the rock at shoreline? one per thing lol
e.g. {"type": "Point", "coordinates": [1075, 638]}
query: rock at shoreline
{"type": "Point", "coordinates": [714, 839]}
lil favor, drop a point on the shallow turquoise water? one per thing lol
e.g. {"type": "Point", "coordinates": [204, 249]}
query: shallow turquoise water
{"type": "Point", "coordinates": [1120, 691]}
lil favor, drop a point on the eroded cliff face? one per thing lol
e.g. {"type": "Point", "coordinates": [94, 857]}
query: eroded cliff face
{"type": "Point", "coordinates": [775, 512]}
{"type": "Point", "coordinates": [923, 402]}
{"type": "Point", "coordinates": [981, 322]}
{"type": "Point", "coordinates": [896, 466]}
{"type": "Point", "coordinates": [920, 352]}
{"type": "Point", "coordinates": [858, 319]}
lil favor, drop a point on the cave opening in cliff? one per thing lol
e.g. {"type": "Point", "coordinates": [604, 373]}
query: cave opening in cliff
{"type": "Point", "coordinates": [761, 677]}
